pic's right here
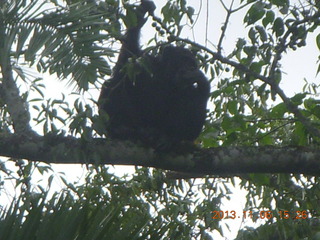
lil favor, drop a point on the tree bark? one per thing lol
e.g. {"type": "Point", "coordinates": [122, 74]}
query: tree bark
{"type": "Point", "coordinates": [215, 161]}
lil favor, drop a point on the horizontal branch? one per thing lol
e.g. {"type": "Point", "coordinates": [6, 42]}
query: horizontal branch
{"type": "Point", "coordinates": [214, 161]}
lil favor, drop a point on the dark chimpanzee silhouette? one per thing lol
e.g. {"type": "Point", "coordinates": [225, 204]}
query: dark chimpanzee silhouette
{"type": "Point", "coordinates": [152, 99]}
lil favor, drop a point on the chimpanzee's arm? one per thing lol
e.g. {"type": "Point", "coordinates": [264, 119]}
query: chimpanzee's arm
{"type": "Point", "coordinates": [130, 42]}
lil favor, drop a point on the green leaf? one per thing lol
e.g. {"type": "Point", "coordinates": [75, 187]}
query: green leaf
{"type": "Point", "coordinates": [252, 35]}
{"type": "Point", "coordinates": [266, 139]}
{"type": "Point", "coordinates": [262, 33]}
{"type": "Point", "coordinates": [318, 41]}
{"type": "Point", "coordinates": [278, 27]}
{"type": "Point", "coordinates": [280, 2]}
{"type": "Point", "coordinates": [300, 136]}
{"type": "Point", "coordinates": [256, 66]}
{"type": "Point", "coordinates": [261, 89]}
{"type": "Point", "coordinates": [279, 110]}
{"type": "Point", "coordinates": [316, 111]}
{"type": "Point", "coordinates": [216, 93]}
{"type": "Point", "coordinates": [312, 105]}
{"type": "Point", "coordinates": [298, 98]}
{"type": "Point", "coordinates": [232, 107]}
{"type": "Point", "coordinates": [255, 13]}
{"type": "Point", "coordinates": [269, 18]}
{"type": "Point", "coordinates": [226, 123]}
{"type": "Point", "coordinates": [23, 35]}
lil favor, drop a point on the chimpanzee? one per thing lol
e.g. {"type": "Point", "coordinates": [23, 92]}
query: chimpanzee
{"type": "Point", "coordinates": [154, 98]}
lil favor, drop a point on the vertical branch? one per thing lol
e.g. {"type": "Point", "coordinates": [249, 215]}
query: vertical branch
{"type": "Point", "coordinates": [16, 106]}
{"type": "Point", "coordinates": [224, 27]}
{"type": "Point", "coordinates": [9, 91]}
{"type": "Point", "coordinates": [207, 21]}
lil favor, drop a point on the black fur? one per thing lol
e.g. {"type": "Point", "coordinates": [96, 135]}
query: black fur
{"type": "Point", "coordinates": [156, 97]}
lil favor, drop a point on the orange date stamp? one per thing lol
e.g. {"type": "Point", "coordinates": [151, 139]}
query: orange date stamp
{"type": "Point", "coordinates": [260, 215]}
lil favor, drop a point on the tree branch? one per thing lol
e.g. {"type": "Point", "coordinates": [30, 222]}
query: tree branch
{"type": "Point", "coordinates": [290, 106]}
{"type": "Point", "coordinates": [17, 107]}
{"type": "Point", "coordinates": [9, 92]}
{"type": "Point", "coordinates": [225, 25]}
{"type": "Point", "coordinates": [214, 161]}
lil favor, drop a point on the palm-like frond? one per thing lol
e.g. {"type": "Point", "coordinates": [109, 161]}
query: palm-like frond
{"type": "Point", "coordinates": [63, 218]}
{"type": "Point", "coordinates": [69, 41]}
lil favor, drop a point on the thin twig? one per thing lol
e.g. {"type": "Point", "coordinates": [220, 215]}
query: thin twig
{"type": "Point", "coordinates": [224, 28]}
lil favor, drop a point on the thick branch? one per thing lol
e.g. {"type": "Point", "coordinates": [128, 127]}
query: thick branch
{"type": "Point", "coordinates": [9, 92]}
{"type": "Point", "coordinates": [17, 107]}
{"type": "Point", "coordinates": [215, 161]}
